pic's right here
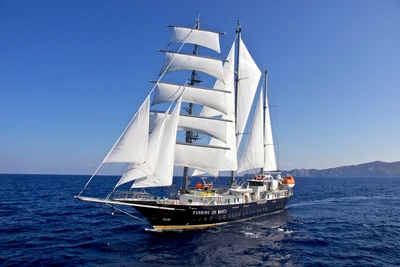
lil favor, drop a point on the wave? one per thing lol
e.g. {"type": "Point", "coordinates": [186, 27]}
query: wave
{"type": "Point", "coordinates": [341, 199]}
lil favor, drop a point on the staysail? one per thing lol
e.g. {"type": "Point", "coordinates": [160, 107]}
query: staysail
{"type": "Point", "coordinates": [135, 135]}
{"type": "Point", "coordinates": [249, 77]}
{"type": "Point", "coordinates": [158, 157]}
{"type": "Point", "coordinates": [269, 151]}
{"type": "Point", "coordinates": [253, 154]}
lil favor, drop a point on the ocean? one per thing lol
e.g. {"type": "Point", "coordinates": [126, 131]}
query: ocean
{"type": "Point", "coordinates": [328, 222]}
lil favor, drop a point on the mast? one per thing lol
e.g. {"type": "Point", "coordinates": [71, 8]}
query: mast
{"type": "Point", "coordinates": [264, 110]}
{"type": "Point", "coordinates": [239, 33]}
{"type": "Point", "coordinates": [190, 136]}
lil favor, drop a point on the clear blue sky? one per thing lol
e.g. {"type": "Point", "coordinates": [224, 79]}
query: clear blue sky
{"type": "Point", "coordinates": [73, 73]}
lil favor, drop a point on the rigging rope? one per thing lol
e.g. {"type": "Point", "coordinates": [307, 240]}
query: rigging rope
{"type": "Point", "coordinates": [126, 213]}
{"type": "Point", "coordinates": [101, 164]}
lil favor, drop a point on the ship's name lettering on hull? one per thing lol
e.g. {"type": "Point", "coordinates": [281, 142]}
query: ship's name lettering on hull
{"type": "Point", "coordinates": [208, 212]}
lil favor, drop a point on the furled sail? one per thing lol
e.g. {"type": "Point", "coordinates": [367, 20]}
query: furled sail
{"type": "Point", "coordinates": [195, 36]}
{"type": "Point", "coordinates": [134, 136]}
{"type": "Point", "coordinates": [210, 126]}
{"type": "Point", "coordinates": [167, 92]}
{"type": "Point", "coordinates": [253, 154]}
{"type": "Point", "coordinates": [269, 151]}
{"type": "Point", "coordinates": [174, 61]}
{"type": "Point", "coordinates": [249, 77]}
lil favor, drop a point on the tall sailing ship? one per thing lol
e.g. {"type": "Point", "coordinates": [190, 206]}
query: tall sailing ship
{"type": "Point", "coordinates": [149, 148]}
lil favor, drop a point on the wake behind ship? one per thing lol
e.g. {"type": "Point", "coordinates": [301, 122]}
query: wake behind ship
{"type": "Point", "coordinates": [216, 140]}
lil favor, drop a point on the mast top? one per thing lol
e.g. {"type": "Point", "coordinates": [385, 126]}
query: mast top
{"type": "Point", "coordinates": [239, 29]}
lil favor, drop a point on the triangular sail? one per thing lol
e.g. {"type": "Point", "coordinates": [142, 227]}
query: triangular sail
{"type": "Point", "coordinates": [147, 168]}
{"type": "Point", "coordinates": [165, 164]}
{"type": "Point", "coordinates": [249, 77]}
{"type": "Point", "coordinates": [253, 154]}
{"type": "Point", "coordinates": [134, 136]}
{"type": "Point", "coordinates": [269, 151]}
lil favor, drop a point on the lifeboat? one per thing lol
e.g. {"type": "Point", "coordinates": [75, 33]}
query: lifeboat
{"type": "Point", "coordinates": [199, 185]}
{"type": "Point", "coordinates": [288, 181]}
{"type": "Point", "coordinates": [204, 185]}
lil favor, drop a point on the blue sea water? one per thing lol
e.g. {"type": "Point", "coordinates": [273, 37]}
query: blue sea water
{"type": "Point", "coordinates": [328, 222]}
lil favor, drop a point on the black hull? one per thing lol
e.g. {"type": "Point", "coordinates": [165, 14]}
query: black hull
{"type": "Point", "coordinates": [182, 217]}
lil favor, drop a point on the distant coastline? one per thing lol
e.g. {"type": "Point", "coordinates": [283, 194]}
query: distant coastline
{"type": "Point", "coordinates": [375, 168]}
{"type": "Point", "coordinates": [369, 169]}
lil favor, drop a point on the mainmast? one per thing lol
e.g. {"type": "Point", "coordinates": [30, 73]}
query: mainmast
{"type": "Point", "coordinates": [190, 136]}
{"type": "Point", "coordinates": [239, 33]}
{"type": "Point", "coordinates": [264, 110]}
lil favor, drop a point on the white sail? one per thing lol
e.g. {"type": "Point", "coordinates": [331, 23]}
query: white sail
{"type": "Point", "coordinates": [193, 36]}
{"type": "Point", "coordinates": [135, 136]}
{"type": "Point", "coordinates": [269, 151]}
{"type": "Point", "coordinates": [165, 164]}
{"type": "Point", "coordinates": [147, 168]}
{"type": "Point", "coordinates": [253, 154]}
{"type": "Point", "coordinates": [229, 160]}
{"type": "Point", "coordinates": [210, 126]}
{"type": "Point", "coordinates": [249, 77]}
{"type": "Point", "coordinates": [167, 92]}
{"type": "Point", "coordinates": [175, 61]}
{"type": "Point", "coordinates": [205, 158]}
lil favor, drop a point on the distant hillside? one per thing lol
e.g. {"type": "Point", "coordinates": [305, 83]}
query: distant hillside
{"type": "Point", "coordinates": [376, 168]}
